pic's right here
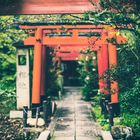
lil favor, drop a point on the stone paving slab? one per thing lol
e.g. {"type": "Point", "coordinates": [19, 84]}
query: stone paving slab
{"type": "Point", "coordinates": [84, 131]}
{"type": "Point", "coordinates": [84, 123]}
{"type": "Point", "coordinates": [64, 126]}
{"type": "Point", "coordinates": [86, 138]}
{"type": "Point", "coordinates": [74, 121]}
{"type": "Point", "coordinates": [83, 118]}
{"type": "Point", "coordinates": [64, 134]}
{"type": "Point", "coordinates": [64, 138]}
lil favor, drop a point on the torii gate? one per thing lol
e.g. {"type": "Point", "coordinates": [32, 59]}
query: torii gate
{"type": "Point", "coordinates": [73, 39]}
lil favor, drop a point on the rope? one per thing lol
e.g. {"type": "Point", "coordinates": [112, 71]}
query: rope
{"type": "Point", "coordinates": [25, 111]}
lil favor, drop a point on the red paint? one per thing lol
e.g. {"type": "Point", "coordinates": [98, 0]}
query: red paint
{"type": "Point", "coordinates": [37, 68]}
{"type": "Point", "coordinates": [104, 54]}
{"type": "Point", "coordinates": [114, 84]}
{"type": "Point", "coordinates": [100, 70]}
{"type": "Point", "coordinates": [43, 71]}
{"type": "Point", "coordinates": [65, 55]}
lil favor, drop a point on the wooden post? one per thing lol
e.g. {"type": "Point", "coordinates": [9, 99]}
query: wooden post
{"type": "Point", "coordinates": [45, 111]}
{"type": "Point", "coordinates": [25, 116]}
{"type": "Point", "coordinates": [37, 70]}
{"type": "Point", "coordinates": [102, 105]}
{"type": "Point", "coordinates": [106, 109]}
{"type": "Point", "coordinates": [37, 115]}
{"type": "Point", "coordinates": [100, 69]}
{"type": "Point", "coordinates": [113, 63]}
{"type": "Point", "coordinates": [43, 74]}
{"type": "Point", "coordinates": [104, 54]}
{"type": "Point", "coordinates": [49, 107]}
{"type": "Point", "coordinates": [111, 115]}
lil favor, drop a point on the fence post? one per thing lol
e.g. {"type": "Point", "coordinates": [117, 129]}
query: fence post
{"type": "Point", "coordinates": [37, 115]}
{"type": "Point", "coordinates": [25, 116]}
{"type": "Point", "coordinates": [111, 115]}
{"type": "Point", "coordinates": [45, 111]}
{"type": "Point", "coordinates": [106, 109]}
{"type": "Point", "coordinates": [102, 105]}
{"type": "Point", "coordinates": [49, 107]}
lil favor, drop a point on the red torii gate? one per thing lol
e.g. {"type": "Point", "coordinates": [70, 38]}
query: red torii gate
{"type": "Point", "coordinates": [72, 38]}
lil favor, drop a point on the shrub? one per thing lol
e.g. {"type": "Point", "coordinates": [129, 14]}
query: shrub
{"type": "Point", "coordinates": [133, 121]}
{"type": "Point", "coordinates": [130, 99]}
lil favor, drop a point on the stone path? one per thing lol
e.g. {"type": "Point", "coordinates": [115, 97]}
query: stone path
{"type": "Point", "coordinates": [74, 120]}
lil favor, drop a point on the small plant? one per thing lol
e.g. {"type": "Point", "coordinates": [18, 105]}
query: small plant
{"type": "Point", "coordinates": [96, 113]}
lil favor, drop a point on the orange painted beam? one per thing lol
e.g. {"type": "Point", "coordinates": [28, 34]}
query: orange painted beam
{"type": "Point", "coordinates": [71, 30]}
{"type": "Point", "coordinates": [37, 68]}
{"type": "Point", "coordinates": [30, 41]}
{"type": "Point", "coordinates": [69, 58]}
{"type": "Point", "coordinates": [74, 48]}
{"type": "Point", "coordinates": [66, 55]}
{"type": "Point", "coordinates": [87, 41]}
{"type": "Point", "coordinates": [55, 41]}
{"type": "Point", "coordinates": [113, 63]}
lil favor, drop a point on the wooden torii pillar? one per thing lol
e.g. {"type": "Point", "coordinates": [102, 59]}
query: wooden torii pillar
{"type": "Point", "coordinates": [103, 64]}
{"type": "Point", "coordinates": [37, 70]}
{"type": "Point", "coordinates": [102, 55]}
{"type": "Point", "coordinates": [113, 63]}
{"type": "Point", "coordinates": [43, 74]}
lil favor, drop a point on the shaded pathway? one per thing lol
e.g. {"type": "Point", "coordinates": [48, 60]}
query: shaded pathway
{"type": "Point", "coordinates": [74, 120]}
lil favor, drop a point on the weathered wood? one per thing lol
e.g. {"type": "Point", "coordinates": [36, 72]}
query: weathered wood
{"type": "Point", "coordinates": [111, 115]}
{"type": "Point", "coordinates": [25, 116]}
{"type": "Point", "coordinates": [37, 115]}
{"type": "Point", "coordinates": [45, 111]}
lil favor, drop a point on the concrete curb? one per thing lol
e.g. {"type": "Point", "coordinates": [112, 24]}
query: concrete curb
{"type": "Point", "coordinates": [106, 135]}
{"type": "Point", "coordinates": [45, 135]}
{"type": "Point", "coordinates": [48, 133]}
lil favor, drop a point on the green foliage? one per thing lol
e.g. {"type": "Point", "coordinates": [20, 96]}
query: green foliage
{"type": "Point", "coordinates": [8, 36]}
{"type": "Point", "coordinates": [133, 121]}
{"type": "Point", "coordinates": [96, 113]}
{"type": "Point", "coordinates": [7, 97]}
{"type": "Point", "coordinates": [131, 98]}
{"type": "Point", "coordinates": [127, 72]}
{"type": "Point", "coordinates": [88, 75]}
{"type": "Point", "coordinates": [54, 87]}
{"type": "Point", "coordinates": [53, 72]}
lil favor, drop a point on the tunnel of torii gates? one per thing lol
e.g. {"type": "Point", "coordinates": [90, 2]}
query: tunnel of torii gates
{"type": "Point", "coordinates": [68, 41]}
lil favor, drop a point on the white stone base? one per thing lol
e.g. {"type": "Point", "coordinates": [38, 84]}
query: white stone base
{"type": "Point", "coordinates": [15, 114]}
{"type": "Point", "coordinates": [32, 122]}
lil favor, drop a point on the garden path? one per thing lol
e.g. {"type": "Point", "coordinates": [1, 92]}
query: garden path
{"type": "Point", "coordinates": [74, 119]}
